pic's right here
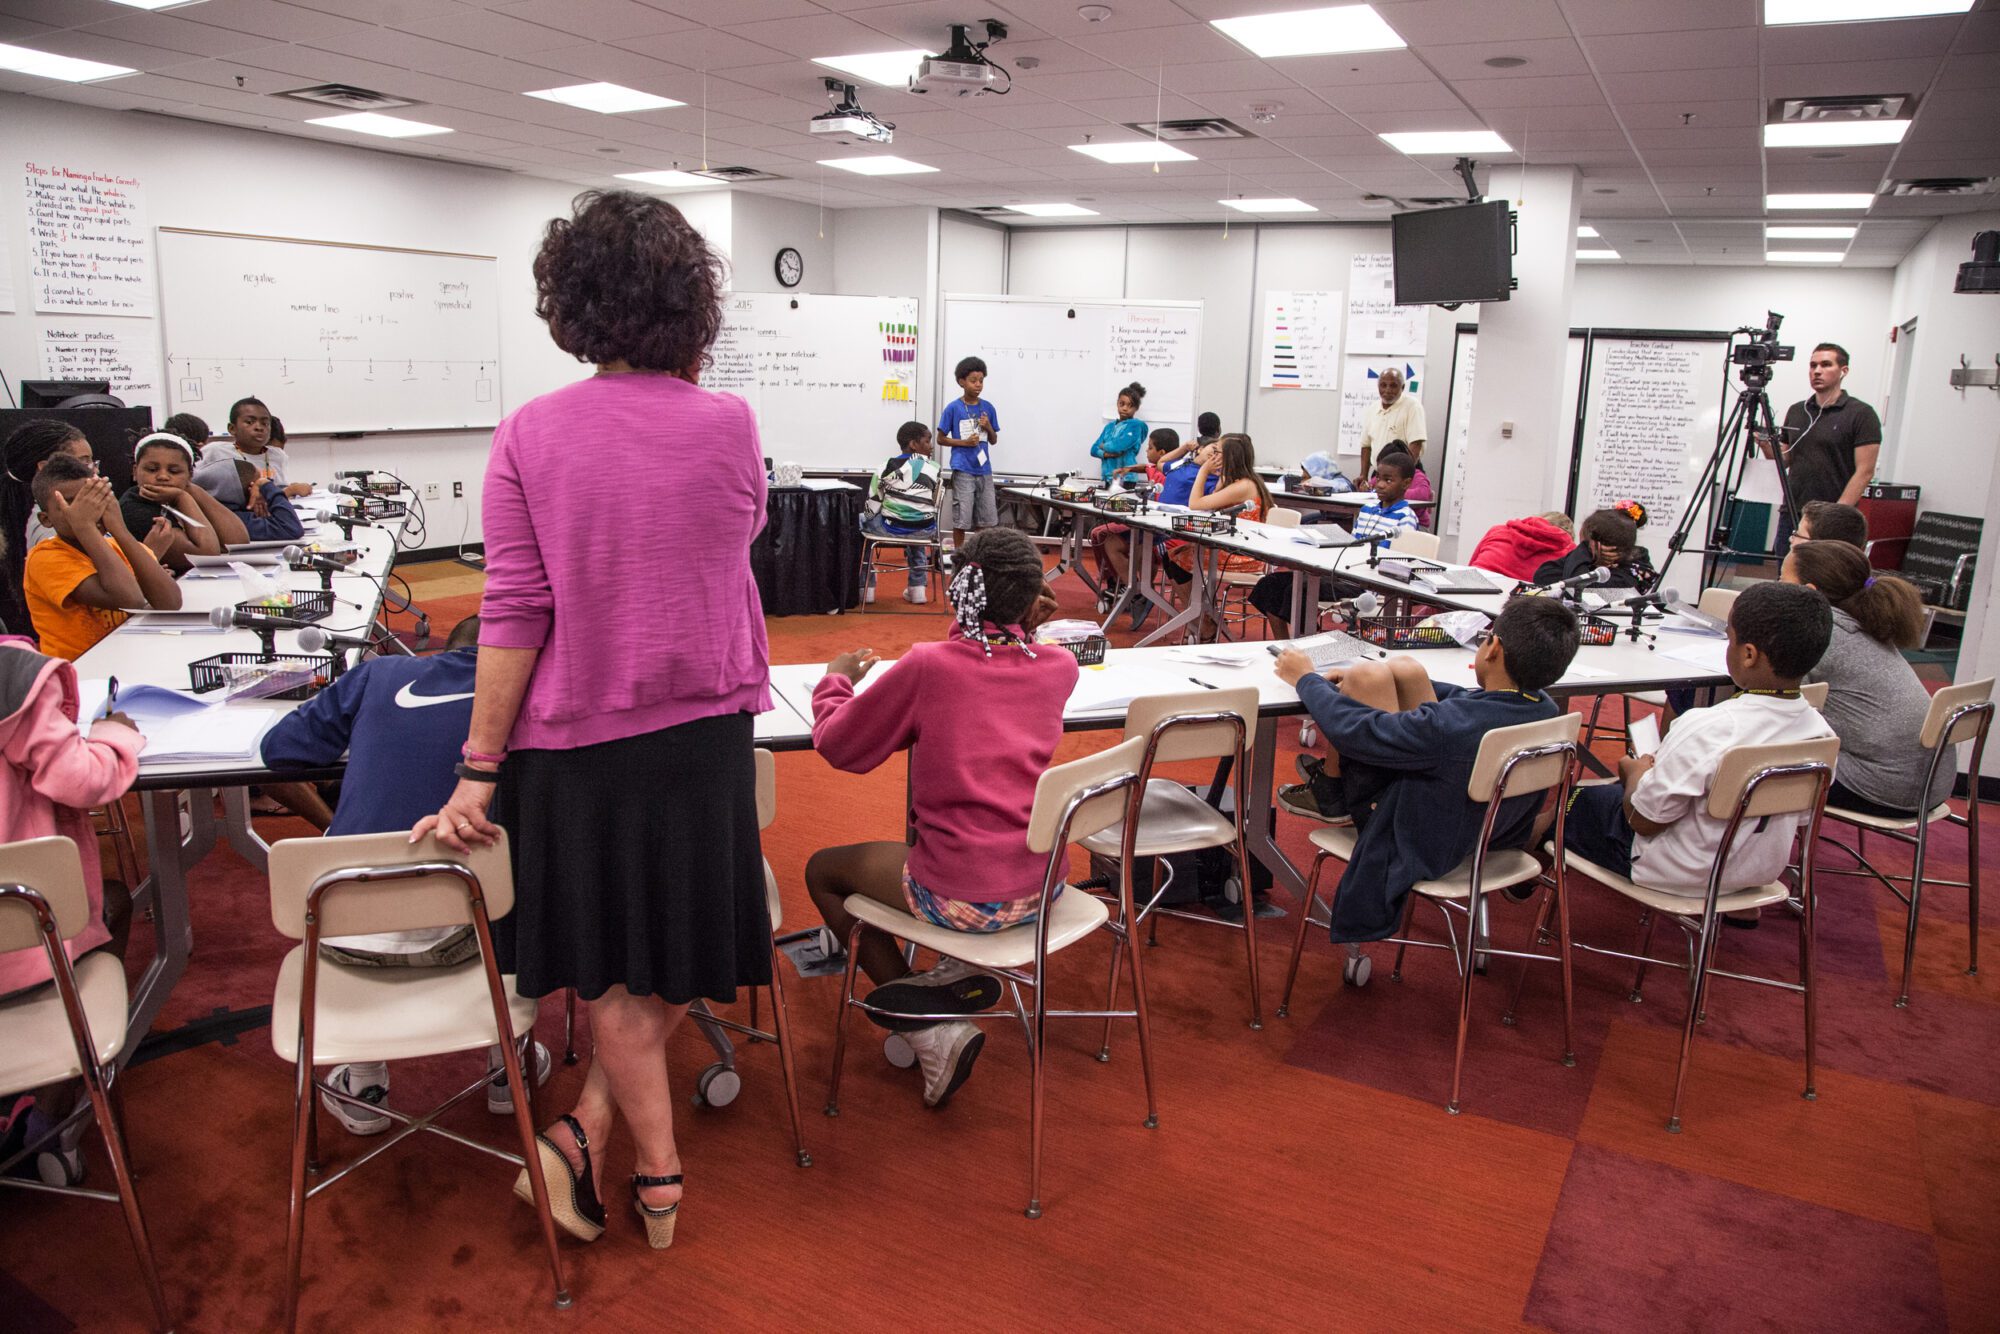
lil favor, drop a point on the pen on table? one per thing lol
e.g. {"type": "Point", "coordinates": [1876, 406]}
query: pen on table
{"type": "Point", "coordinates": [1203, 684]}
{"type": "Point", "coordinates": [111, 697]}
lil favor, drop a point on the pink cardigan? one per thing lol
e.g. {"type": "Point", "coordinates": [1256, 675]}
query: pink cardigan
{"type": "Point", "coordinates": [51, 778]}
{"type": "Point", "coordinates": [619, 513]}
{"type": "Point", "coordinates": [980, 731]}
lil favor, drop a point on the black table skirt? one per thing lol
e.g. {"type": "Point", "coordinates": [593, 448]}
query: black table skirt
{"type": "Point", "coordinates": [808, 558]}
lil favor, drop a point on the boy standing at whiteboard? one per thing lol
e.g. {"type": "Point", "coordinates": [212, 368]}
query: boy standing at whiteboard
{"type": "Point", "coordinates": [973, 427]}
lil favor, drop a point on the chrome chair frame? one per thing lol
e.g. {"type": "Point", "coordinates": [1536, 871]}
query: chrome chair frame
{"type": "Point", "coordinates": [1703, 933]}
{"type": "Point", "coordinates": [1919, 843]}
{"type": "Point", "coordinates": [1033, 1016]}
{"type": "Point", "coordinates": [101, 1099]}
{"type": "Point", "coordinates": [935, 544]}
{"type": "Point", "coordinates": [1474, 913]}
{"type": "Point", "coordinates": [305, 1109]}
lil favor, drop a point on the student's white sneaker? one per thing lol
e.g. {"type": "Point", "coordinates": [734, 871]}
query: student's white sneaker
{"type": "Point", "coordinates": [499, 1096]}
{"type": "Point", "coordinates": [919, 596]}
{"type": "Point", "coordinates": [868, 593]}
{"type": "Point", "coordinates": [953, 987]}
{"type": "Point", "coordinates": [945, 1053]}
{"type": "Point", "coordinates": [367, 1081]}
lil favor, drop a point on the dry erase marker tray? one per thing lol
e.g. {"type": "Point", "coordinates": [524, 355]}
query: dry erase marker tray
{"type": "Point", "coordinates": [254, 676]}
{"type": "Point", "coordinates": [1200, 522]}
{"type": "Point", "coordinates": [306, 605]}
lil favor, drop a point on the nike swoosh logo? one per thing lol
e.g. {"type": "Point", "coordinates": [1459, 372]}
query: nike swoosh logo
{"type": "Point", "coordinates": [408, 698]}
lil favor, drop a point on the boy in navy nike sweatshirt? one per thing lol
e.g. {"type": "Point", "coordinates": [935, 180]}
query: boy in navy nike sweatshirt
{"type": "Point", "coordinates": [400, 722]}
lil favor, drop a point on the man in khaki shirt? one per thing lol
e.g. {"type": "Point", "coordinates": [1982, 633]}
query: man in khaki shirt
{"type": "Point", "coordinates": [1400, 417]}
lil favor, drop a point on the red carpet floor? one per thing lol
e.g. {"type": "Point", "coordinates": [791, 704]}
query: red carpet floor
{"type": "Point", "coordinates": [1302, 1176]}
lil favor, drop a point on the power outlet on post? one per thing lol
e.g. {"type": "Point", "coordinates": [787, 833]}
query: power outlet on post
{"type": "Point", "coordinates": [458, 490]}
{"type": "Point", "coordinates": [431, 491]}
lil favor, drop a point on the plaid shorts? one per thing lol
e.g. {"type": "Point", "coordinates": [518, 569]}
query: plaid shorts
{"type": "Point", "coordinates": [965, 915]}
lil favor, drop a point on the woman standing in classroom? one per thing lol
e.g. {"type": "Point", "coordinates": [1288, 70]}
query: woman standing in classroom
{"type": "Point", "coordinates": [617, 683]}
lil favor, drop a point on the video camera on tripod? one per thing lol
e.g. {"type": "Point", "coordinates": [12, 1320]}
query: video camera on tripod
{"type": "Point", "coordinates": [1763, 348]}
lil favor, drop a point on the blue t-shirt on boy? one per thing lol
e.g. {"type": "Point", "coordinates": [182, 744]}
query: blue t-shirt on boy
{"type": "Point", "coordinates": [1180, 475]}
{"type": "Point", "coordinates": [973, 459]}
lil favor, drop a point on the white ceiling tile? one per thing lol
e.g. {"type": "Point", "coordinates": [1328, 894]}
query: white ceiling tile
{"type": "Point", "coordinates": [1818, 43]}
{"type": "Point", "coordinates": [1218, 76]}
{"type": "Point", "coordinates": [706, 48]}
{"type": "Point", "coordinates": [816, 35]}
{"type": "Point", "coordinates": [1500, 22]}
{"type": "Point", "coordinates": [55, 13]}
{"type": "Point", "coordinates": [1418, 95]}
{"type": "Point", "coordinates": [923, 24]}
{"type": "Point", "coordinates": [597, 20]}
{"type": "Point", "coordinates": [1832, 80]}
{"type": "Point", "coordinates": [1458, 58]}
{"type": "Point", "coordinates": [1088, 84]}
{"type": "Point", "coordinates": [1328, 74]}
{"type": "Point", "coordinates": [1560, 91]}
{"type": "Point", "coordinates": [1684, 85]}
{"type": "Point", "coordinates": [1710, 49]}
{"type": "Point", "coordinates": [1146, 49]}
{"type": "Point", "coordinates": [490, 33]}
{"type": "Point", "coordinates": [177, 34]}
{"type": "Point", "coordinates": [1625, 16]}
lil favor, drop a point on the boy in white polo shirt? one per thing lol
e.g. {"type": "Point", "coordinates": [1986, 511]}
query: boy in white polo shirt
{"type": "Point", "coordinates": [1653, 825]}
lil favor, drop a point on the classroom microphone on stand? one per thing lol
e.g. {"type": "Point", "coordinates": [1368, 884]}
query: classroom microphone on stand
{"type": "Point", "coordinates": [1577, 582]}
{"type": "Point", "coordinates": [315, 640]}
{"type": "Point", "coordinates": [296, 555]}
{"type": "Point", "coordinates": [226, 618]}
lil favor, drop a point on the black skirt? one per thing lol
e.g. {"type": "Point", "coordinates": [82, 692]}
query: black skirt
{"type": "Point", "coordinates": [637, 864]}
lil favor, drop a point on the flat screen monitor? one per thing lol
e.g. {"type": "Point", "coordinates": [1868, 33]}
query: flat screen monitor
{"type": "Point", "coordinates": [1448, 255]}
{"type": "Point", "coordinates": [53, 393]}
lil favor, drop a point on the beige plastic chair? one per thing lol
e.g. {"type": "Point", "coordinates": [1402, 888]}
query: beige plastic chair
{"type": "Point", "coordinates": [1815, 693]}
{"type": "Point", "coordinates": [1280, 517]}
{"type": "Point", "coordinates": [1192, 725]}
{"type": "Point", "coordinates": [1512, 762]}
{"type": "Point", "coordinates": [1072, 802]}
{"type": "Point", "coordinates": [327, 1013]}
{"type": "Point", "coordinates": [73, 1029]}
{"type": "Point", "coordinates": [780, 1033]}
{"type": "Point", "coordinates": [1750, 784]}
{"type": "Point", "coordinates": [1957, 714]}
{"type": "Point", "coordinates": [1416, 542]}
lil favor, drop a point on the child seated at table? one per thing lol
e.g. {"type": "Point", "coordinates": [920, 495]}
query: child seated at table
{"type": "Point", "coordinates": [79, 582]}
{"type": "Point", "coordinates": [903, 502]}
{"type": "Point", "coordinates": [1653, 824]}
{"type": "Point", "coordinates": [163, 488]}
{"type": "Point", "coordinates": [401, 723]}
{"type": "Point", "coordinates": [1401, 749]}
{"type": "Point", "coordinates": [981, 713]}
{"type": "Point", "coordinates": [266, 511]}
{"type": "Point", "coordinates": [1114, 540]}
{"type": "Point", "coordinates": [1420, 483]}
{"type": "Point", "coordinates": [1519, 547]}
{"type": "Point", "coordinates": [1831, 521]}
{"type": "Point", "coordinates": [1609, 540]}
{"type": "Point", "coordinates": [1382, 521]}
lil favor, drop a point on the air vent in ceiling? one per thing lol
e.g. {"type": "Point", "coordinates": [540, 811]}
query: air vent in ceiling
{"type": "Point", "coordinates": [1940, 185]}
{"type": "Point", "coordinates": [1865, 106]}
{"type": "Point", "coordinates": [1177, 131]}
{"type": "Point", "coordinates": [737, 175]}
{"type": "Point", "coordinates": [348, 96]}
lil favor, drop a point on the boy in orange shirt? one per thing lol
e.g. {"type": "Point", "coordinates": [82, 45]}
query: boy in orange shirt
{"type": "Point", "coordinates": [78, 581]}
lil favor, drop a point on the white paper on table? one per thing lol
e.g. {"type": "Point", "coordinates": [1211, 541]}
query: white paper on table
{"type": "Point", "coordinates": [92, 694]}
{"type": "Point", "coordinates": [158, 704]}
{"type": "Point", "coordinates": [213, 734]}
{"type": "Point", "coordinates": [169, 623]}
{"type": "Point", "coordinates": [1644, 734]}
{"type": "Point", "coordinates": [1712, 654]}
{"type": "Point", "coordinates": [1578, 672]}
{"type": "Point", "coordinates": [1115, 687]}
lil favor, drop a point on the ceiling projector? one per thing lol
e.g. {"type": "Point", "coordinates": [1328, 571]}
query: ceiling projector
{"type": "Point", "coordinates": [962, 69]}
{"type": "Point", "coordinates": [848, 119]}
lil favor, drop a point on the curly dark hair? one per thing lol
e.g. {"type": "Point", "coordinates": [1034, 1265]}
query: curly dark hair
{"type": "Point", "coordinates": [1013, 569]}
{"type": "Point", "coordinates": [188, 427]}
{"type": "Point", "coordinates": [627, 278]}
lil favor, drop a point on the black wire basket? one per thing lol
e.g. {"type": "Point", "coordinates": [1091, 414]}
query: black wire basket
{"type": "Point", "coordinates": [1089, 652]}
{"type": "Point", "coordinates": [310, 604]}
{"type": "Point", "coordinates": [217, 672]}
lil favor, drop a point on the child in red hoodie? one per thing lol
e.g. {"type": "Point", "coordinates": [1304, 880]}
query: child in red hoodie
{"type": "Point", "coordinates": [980, 713]}
{"type": "Point", "coordinates": [1519, 547]}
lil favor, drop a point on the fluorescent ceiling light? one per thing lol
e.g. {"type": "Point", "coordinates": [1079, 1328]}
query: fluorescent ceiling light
{"type": "Point", "coordinates": [1454, 142]}
{"type": "Point", "coordinates": [672, 178]}
{"type": "Point", "coordinates": [1804, 256]}
{"type": "Point", "coordinates": [43, 65]}
{"type": "Point", "coordinates": [1818, 201]}
{"type": "Point", "coordinates": [1597, 254]}
{"type": "Point", "coordinates": [1778, 13]}
{"type": "Point", "coordinates": [1268, 205]}
{"type": "Point", "coordinates": [1053, 210]}
{"type": "Point", "coordinates": [884, 165]}
{"type": "Point", "coordinates": [1313, 32]}
{"type": "Point", "coordinates": [1809, 233]}
{"type": "Point", "coordinates": [1586, 233]}
{"type": "Point", "coordinates": [608, 98]}
{"type": "Point", "coordinates": [371, 122]}
{"type": "Point", "coordinates": [891, 69]}
{"type": "Point", "coordinates": [1834, 133]}
{"type": "Point", "coordinates": [1144, 150]}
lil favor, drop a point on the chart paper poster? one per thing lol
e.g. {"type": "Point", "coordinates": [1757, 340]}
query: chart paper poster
{"type": "Point", "coordinates": [1376, 325]}
{"type": "Point", "coordinates": [125, 353]}
{"type": "Point", "coordinates": [88, 248]}
{"type": "Point", "coordinates": [1359, 395]}
{"type": "Point", "coordinates": [1301, 340]}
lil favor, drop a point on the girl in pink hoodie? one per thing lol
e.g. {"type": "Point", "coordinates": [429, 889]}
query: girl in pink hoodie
{"type": "Point", "coordinates": [53, 775]}
{"type": "Point", "coordinates": [981, 713]}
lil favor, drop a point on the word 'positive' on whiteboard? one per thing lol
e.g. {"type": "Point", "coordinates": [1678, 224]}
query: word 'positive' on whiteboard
{"type": "Point", "coordinates": [334, 337]}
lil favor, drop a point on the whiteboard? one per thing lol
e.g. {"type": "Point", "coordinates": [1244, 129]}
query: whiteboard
{"type": "Point", "coordinates": [1650, 416]}
{"type": "Point", "coordinates": [1458, 417]}
{"type": "Point", "coordinates": [830, 378]}
{"type": "Point", "coordinates": [332, 337]}
{"type": "Point", "coordinates": [1054, 369]}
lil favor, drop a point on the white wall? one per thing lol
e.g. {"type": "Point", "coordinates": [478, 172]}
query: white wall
{"type": "Point", "coordinates": [894, 252]}
{"type": "Point", "coordinates": [760, 226]}
{"type": "Point", "coordinates": [972, 255]}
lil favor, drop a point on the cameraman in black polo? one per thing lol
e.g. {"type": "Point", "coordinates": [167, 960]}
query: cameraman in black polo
{"type": "Point", "coordinates": [1830, 440]}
